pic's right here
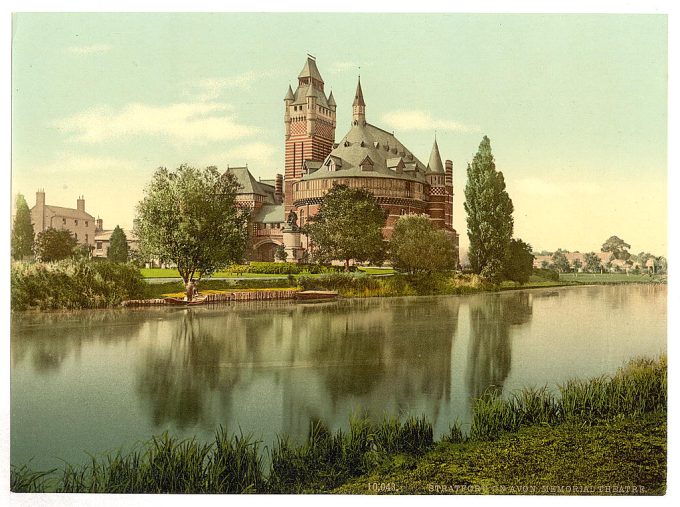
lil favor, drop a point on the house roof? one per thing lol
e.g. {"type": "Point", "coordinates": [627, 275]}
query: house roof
{"type": "Point", "coordinates": [105, 235]}
{"type": "Point", "coordinates": [249, 185]}
{"type": "Point", "coordinates": [68, 212]}
{"type": "Point", "coordinates": [269, 214]}
{"type": "Point", "coordinates": [366, 140]}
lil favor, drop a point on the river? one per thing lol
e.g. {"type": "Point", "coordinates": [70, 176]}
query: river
{"type": "Point", "coordinates": [96, 381]}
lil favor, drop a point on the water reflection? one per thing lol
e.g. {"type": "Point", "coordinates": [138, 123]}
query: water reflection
{"type": "Point", "coordinates": [490, 348]}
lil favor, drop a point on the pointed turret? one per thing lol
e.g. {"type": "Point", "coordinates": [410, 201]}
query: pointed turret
{"type": "Point", "coordinates": [435, 164]}
{"type": "Point", "coordinates": [359, 96]}
{"type": "Point", "coordinates": [310, 72]}
{"type": "Point", "coordinates": [289, 95]}
{"type": "Point", "coordinates": [359, 106]}
{"type": "Point", "coordinates": [331, 101]}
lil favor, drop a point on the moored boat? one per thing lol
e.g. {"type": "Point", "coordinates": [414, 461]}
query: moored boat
{"type": "Point", "coordinates": [313, 295]}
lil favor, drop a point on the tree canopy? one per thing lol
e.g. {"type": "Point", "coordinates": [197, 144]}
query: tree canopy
{"type": "Point", "coordinates": [617, 247]}
{"type": "Point", "coordinates": [519, 261]}
{"type": "Point", "coordinates": [418, 247]}
{"type": "Point", "coordinates": [489, 213]}
{"type": "Point", "coordinates": [189, 217]}
{"type": "Point", "coordinates": [593, 264]}
{"type": "Point", "coordinates": [118, 247]}
{"type": "Point", "coordinates": [348, 226]}
{"type": "Point", "coordinates": [560, 261]}
{"type": "Point", "coordinates": [22, 230]}
{"type": "Point", "coordinates": [54, 245]}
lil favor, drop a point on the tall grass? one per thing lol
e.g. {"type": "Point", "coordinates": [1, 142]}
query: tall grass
{"type": "Point", "coordinates": [639, 387]}
{"type": "Point", "coordinates": [326, 459]}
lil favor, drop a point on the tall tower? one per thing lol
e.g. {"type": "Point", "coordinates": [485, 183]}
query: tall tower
{"type": "Point", "coordinates": [309, 119]}
{"type": "Point", "coordinates": [359, 106]}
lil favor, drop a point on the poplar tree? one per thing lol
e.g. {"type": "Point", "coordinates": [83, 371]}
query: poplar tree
{"type": "Point", "coordinates": [489, 214]}
{"type": "Point", "coordinates": [22, 230]}
{"type": "Point", "coordinates": [118, 248]}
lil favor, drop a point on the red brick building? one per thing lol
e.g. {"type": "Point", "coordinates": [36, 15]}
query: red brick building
{"type": "Point", "coordinates": [366, 157]}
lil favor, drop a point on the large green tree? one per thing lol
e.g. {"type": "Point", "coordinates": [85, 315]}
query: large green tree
{"type": "Point", "coordinates": [118, 247]}
{"type": "Point", "coordinates": [617, 247]}
{"type": "Point", "coordinates": [22, 230]}
{"type": "Point", "coordinates": [593, 264]}
{"type": "Point", "coordinates": [560, 261]}
{"type": "Point", "coordinates": [519, 261]}
{"type": "Point", "coordinates": [189, 217]}
{"type": "Point", "coordinates": [54, 245]}
{"type": "Point", "coordinates": [348, 226]}
{"type": "Point", "coordinates": [489, 213]}
{"type": "Point", "coordinates": [417, 246]}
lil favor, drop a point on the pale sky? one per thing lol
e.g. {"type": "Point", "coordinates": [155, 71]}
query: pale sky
{"type": "Point", "coordinates": [575, 106]}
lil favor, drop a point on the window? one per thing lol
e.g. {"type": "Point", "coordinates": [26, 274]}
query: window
{"type": "Point", "coordinates": [64, 221]}
{"type": "Point", "coordinates": [99, 245]}
{"type": "Point", "coordinates": [86, 238]}
{"type": "Point", "coordinates": [87, 224]}
{"type": "Point", "coordinates": [76, 222]}
{"type": "Point", "coordinates": [76, 235]}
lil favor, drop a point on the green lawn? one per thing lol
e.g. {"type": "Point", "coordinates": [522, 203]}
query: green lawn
{"type": "Point", "coordinates": [173, 273]}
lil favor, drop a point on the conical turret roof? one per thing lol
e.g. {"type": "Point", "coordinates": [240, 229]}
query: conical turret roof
{"type": "Point", "coordinates": [310, 70]}
{"type": "Point", "coordinates": [359, 95]}
{"type": "Point", "coordinates": [435, 164]}
{"type": "Point", "coordinates": [290, 95]}
{"type": "Point", "coordinates": [331, 100]}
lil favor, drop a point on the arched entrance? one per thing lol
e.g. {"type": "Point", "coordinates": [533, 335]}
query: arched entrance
{"type": "Point", "coordinates": [264, 252]}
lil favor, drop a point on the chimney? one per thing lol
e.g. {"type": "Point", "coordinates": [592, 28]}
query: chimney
{"type": "Point", "coordinates": [278, 188]}
{"type": "Point", "coordinates": [449, 173]}
{"type": "Point", "coordinates": [81, 203]}
{"type": "Point", "coordinates": [100, 224]}
{"type": "Point", "coordinates": [40, 197]}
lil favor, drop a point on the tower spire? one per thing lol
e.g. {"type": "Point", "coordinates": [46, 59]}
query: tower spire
{"type": "Point", "coordinates": [359, 106]}
{"type": "Point", "coordinates": [435, 164]}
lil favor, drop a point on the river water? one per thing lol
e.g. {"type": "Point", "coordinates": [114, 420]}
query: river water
{"type": "Point", "coordinates": [98, 381]}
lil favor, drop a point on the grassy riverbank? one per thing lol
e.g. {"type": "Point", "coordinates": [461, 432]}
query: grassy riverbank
{"type": "Point", "coordinates": [607, 431]}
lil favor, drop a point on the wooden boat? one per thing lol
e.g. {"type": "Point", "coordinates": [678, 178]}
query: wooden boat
{"type": "Point", "coordinates": [184, 302]}
{"type": "Point", "coordinates": [315, 295]}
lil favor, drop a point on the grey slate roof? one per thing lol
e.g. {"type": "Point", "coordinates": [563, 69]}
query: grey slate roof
{"type": "Point", "coordinates": [69, 212]}
{"type": "Point", "coordinates": [310, 70]}
{"type": "Point", "coordinates": [250, 185]}
{"type": "Point", "coordinates": [380, 146]}
{"type": "Point", "coordinates": [289, 94]}
{"type": "Point", "coordinates": [435, 164]}
{"type": "Point", "coordinates": [304, 91]}
{"type": "Point", "coordinates": [105, 235]}
{"type": "Point", "coordinates": [270, 214]}
{"type": "Point", "coordinates": [331, 100]}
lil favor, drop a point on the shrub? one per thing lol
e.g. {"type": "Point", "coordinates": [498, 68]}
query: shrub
{"type": "Point", "coordinates": [548, 274]}
{"type": "Point", "coordinates": [73, 284]}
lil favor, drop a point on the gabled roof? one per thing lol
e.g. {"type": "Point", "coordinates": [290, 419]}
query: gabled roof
{"type": "Point", "coordinates": [435, 164]}
{"type": "Point", "coordinates": [105, 235]}
{"type": "Point", "coordinates": [250, 185]}
{"type": "Point", "coordinates": [310, 70]}
{"type": "Point", "coordinates": [68, 212]}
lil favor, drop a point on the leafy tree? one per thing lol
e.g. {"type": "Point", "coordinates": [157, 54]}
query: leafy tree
{"type": "Point", "coordinates": [489, 213]}
{"type": "Point", "coordinates": [617, 247]}
{"type": "Point", "coordinates": [418, 247]}
{"type": "Point", "coordinates": [348, 226]}
{"type": "Point", "coordinates": [560, 262]}
{"type": "Point", "coordinates": [545, 264]}
{"type": "Point", "coordinates": [54, 245]}
{"type": "Point", "coordinates": [22, 230]}
{"type": "Point", "coordinates": [118, 247]}
{"type": "Point", "coordinates": [281, 253]}
{"type": "Point", "coordinates": [576, 264]}
{"type": "Point", "coordinates": [660, 265]}
{"type": "Point", "coordinates": [593, 264]}
{"type": "Point", "coordinates": [519, 261]}
{"type": "Point", "coordinates": [189, 217]}
{"type": "Point", "coordinates": [642, 259]}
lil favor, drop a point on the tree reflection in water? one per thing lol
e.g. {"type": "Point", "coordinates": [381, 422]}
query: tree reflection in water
{"type": "Point", "coordinates": [490, 349]}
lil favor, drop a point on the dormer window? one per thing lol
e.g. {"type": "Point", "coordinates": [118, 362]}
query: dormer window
{"type": "Point", "coordinates": [366, 164]}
